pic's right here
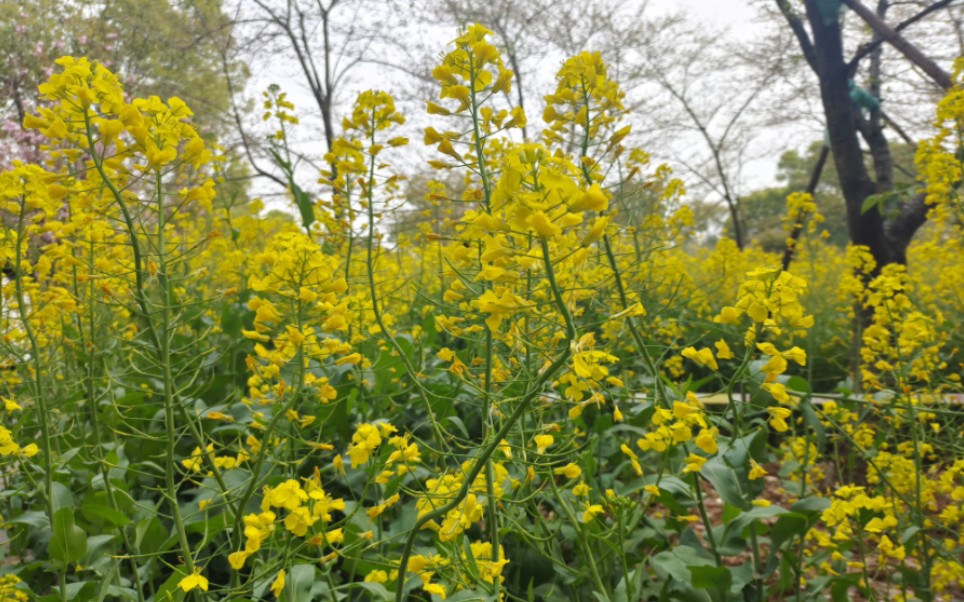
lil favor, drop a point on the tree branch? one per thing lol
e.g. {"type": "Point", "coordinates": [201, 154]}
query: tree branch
{"type": "Point", "coordinates": [232, 94]}
{"type": "Point", "coordinates": [900, 131]}
{"type": "Point", "coordinates": [941, 77]}
{"type": "Point", "coordinates": [869, 47]}
{"type": "Point", "coordinates": [796, 25]}
{"type": "Point", "coordinates": [901, 228]}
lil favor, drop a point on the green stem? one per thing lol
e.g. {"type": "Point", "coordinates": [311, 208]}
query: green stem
{"type": "Point", "coordinates": [660, 396]}
{"type": "Point", "coordinates": [373, 291]}
{"type": "Point", "coordinates": [490, 447]}
{"type": "Point", "coordinates": [168, 380]}
{"type": "Point", "coordinates": [140, 296]}
{"type": "Point", "coordinates": [38, 383]}
{"type": "Point", "coordinates": [88, 344]}
{"type": "Point", "coordinates": [757, 565]}
{"type": "Point", "coordinates": [601, 590]}
{"type": "Point", "coordinates": [487, 385]}
{"type": "Point", "coordinates": [706, 520]}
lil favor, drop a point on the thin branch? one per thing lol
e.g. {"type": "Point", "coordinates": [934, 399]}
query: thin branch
{"type": "Point", "coordinates": [240, 125]}
{"type": "Point", "coordinates": [913, 54]}
{"type": "Point", "coordinates": [869, 47]}
{"type": "Point", "coordinates": [800, 31]}
{"type": "Point", "coordinates": [900, 131]}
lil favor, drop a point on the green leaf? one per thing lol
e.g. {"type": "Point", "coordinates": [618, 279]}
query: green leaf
{"type": "Point", "coordinates": [68, 542]}
{"type": "Point", "coordinates": [786, 528]}
{"type": "Point", "coordinates": [150, 536]}
{"type": "Point", "coordinates": [105, 584]}
{"type": "Point", "coordinates": [674, 485]}
{"type": "Point", "coordinates": [706, 577]}
{"type": "Point", "coordinates": [726, 482]}
{"type": "Point", "coordinates": [169, 591]}
{"type": "Point", "coordinates": [377, 590]}
{"type": "Point", "coordinates": [908, 533]}
{"type": "Point", "coordinates": [127, 593]}
{"type": "Point", "coordinates": [813, 504]}
{"type": "Point", "coordinates": [32, 518]}
{"type": "Point", "coordinates": [471, 595]}
{"type": "Point", "coordinates": [80, 591]}
{"type": "Point", "coordinates": [279, 161]}
{"type": "Point", "coordinates": [742, 575]}
{"type": "Point", "coordinates": [798, 383]}
{"type": "Point", "coordinates": [877, 200]}
{"type": "Point", "coordinates": [99, 513]}
{"type": "Point", "coordinates": [305, 205]}
{"type": "Point", "coordinates": [455, 420]}
{"type": "Point", "coordinates": [667, 565]}
{"type": "Point", "coordinates": [299, 582]}
{"type": "Point", "coordinates": [60, 496]}
{"type": "Point", "coordinates": [812, 421]}
{"type": "Point", "coordinates": [744, 520]}
{"type": "Point", "coordinates": [100, 552]}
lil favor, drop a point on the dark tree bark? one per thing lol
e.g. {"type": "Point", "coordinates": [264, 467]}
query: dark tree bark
{"type": "Point", "coordinates": [822, 46]}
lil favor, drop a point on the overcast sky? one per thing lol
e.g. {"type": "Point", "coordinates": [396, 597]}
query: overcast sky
{"type": "Point", "coordinates": [734, 15]}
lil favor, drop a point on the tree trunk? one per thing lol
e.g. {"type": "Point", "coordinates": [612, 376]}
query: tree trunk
{"type": "Point", "coordinates": [887, 240]}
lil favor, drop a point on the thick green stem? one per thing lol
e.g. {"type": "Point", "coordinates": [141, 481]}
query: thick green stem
{"type": "Point", "coordinates": [88, 344]}
{"type": "Point", "coordinates": [487, 417]}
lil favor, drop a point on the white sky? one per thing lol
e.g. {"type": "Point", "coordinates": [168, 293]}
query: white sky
{"type": "Point", "coordinates": [737, 16]}
{"type": "Point", "coordinates": [731, 13]}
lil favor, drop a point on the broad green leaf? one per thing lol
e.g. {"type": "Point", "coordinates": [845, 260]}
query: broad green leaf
{"type": "Point", "coordinates": [812, 504]}
{"type": "Point", "coordinates": [60, 496]}
{"type": "Point", "coordinates": [81, 591]}
{"type": "Point", "coordinates": [707, 577]}
{"type": "Point", "coordinates": [299, 582]}
{"type": "Point", "coordinates": [99, 513]}
{"type": "Point", "coordinates": [68, 542]}
{"type": "Point", "coordinates": [787, 527]}
{"type": "Point", "coordinates": [755, 513]}
{"type": "Point", "coordinates": [150, 536]}
{"type": "Point", "coordinates": [798, 383]}
{"type": "Point", "coordinates": [32, 518]}
{"type": "Point", "coordinates": [726, 482]}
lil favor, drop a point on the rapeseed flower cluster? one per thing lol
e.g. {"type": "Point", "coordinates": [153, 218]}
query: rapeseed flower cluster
{"type": "Point", "coordinates": [485, 375]}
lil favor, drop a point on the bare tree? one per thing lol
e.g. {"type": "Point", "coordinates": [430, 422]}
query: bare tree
{"type": "Point", "coordinates": [854, 114]}
{"type": "Point", "coordinates": [713, 92]}
{"type": "Point", "coordinates": [331, 45]}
